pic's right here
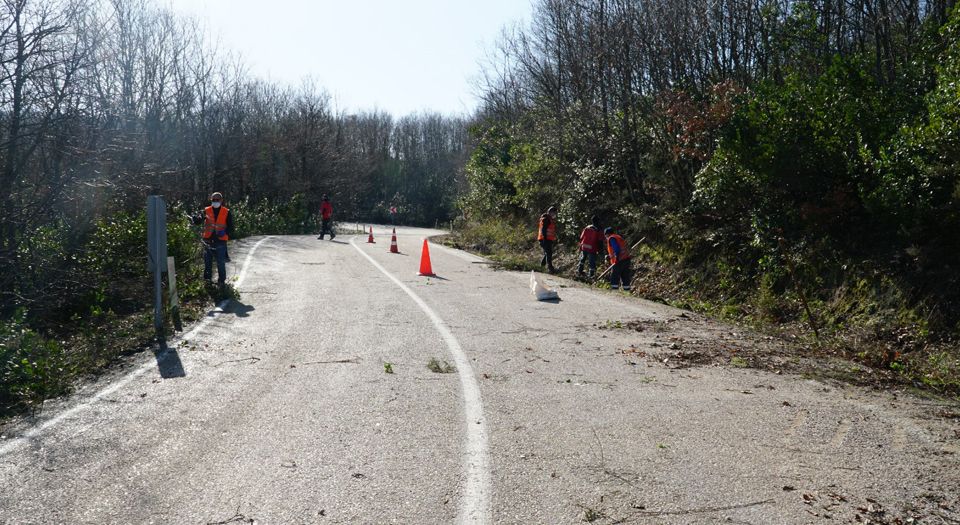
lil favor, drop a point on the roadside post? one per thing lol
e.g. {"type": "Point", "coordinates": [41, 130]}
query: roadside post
{"type": "Point", "coordinates": [157, 255]}
{"type": "Point", "coordinates": [174, 296]}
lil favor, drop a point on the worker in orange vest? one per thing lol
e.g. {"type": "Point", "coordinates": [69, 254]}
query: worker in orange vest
{"type": "Point", "coordinates": [591, 240]}
{"type": "Point", "coordinates": [618, 253]}
{"type": "Point", "coordinates": [547, 235]}
{"type": "Point", "coordinates": [217, 230]}
{"type": "Point", "coordinates": [326, 218]}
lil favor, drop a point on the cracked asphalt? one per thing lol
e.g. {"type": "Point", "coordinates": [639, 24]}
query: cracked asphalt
{"type": "Point", "coordinates": [279, 410]}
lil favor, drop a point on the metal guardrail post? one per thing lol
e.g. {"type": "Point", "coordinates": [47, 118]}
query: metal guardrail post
{"type": "Point", "coordinates": [157, 255]}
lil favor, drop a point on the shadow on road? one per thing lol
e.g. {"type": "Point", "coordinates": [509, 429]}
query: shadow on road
{"type": "Point", "coordinates": [239, 309]}
{"type": "Point", "coordinates": [168, 362]}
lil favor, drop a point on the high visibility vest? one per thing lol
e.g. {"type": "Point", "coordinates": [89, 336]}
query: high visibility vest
{"type": "Point", "coordinates": [326, 210]}
{"type": "Point", "coordinates": [551, 229]}
{"type": "Point", "coordinates": [624, 249]}
{"type": "Point", "coordinates": [590, 240]}
{"type": "Point", "coordinates": [215, 227]}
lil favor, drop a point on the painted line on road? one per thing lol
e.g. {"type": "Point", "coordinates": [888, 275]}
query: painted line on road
{"type": "Point", "coordinates": [475, 503]}
{"type": "Point", "coordinates": [466, 256]}
{"type": "Point", "coordinates": [211, 315]}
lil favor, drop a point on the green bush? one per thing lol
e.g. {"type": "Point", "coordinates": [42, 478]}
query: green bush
{"type": "Point", "coordinates": [114, 266]}
{"type": "Point", "coordinates": [495, 236]}
{"type": "Point", "coordinates": [32, 368]}
{"type": "Point", "coordinates": [43, 269]}
{"type": "Point", "coordinates": [288, 217]}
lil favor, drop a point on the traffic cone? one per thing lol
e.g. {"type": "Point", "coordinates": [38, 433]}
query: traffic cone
{"type": "Point", "coordinates": [425, 267]}
{"type": "Point", "coordinates": [370, 238]}
{"type": "Point", "coordinates": [393, 242]}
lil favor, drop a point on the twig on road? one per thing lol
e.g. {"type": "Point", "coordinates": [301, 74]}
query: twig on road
{"type": "Point", "coordinates": [251, 359]}
{"type": "Point", "coordinates": [704, 510]}
{"type": "Point", "coordinates": [353, 360]}
{"type": "Point", "coordinates": [236, 518]}
{"type": "Point", "coordinates": [603, 461]}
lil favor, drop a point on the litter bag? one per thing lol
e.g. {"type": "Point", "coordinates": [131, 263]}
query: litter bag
{"type": "Point", "coordinates": [539, 290]}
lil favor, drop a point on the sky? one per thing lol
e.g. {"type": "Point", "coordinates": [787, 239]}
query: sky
{"type": "Point", "coordinates": [399, 56]}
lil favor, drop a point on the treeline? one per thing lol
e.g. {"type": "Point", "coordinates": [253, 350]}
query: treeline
{"type": "Point", "coordinates": [735, 134]}
{"type": "Point", "coordinates": [103, 103]}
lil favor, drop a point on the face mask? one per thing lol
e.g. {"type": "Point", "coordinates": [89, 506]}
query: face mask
{"type": "Point", "coordinates": [215, 204]}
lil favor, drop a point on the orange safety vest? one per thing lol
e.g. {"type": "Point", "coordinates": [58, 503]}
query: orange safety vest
{"type": "Point", "coordinates": [624, 249]}
{"type": "Point", "coordinates": [211, 226]}
{"type": "Point", "coordinates": [551, 229]}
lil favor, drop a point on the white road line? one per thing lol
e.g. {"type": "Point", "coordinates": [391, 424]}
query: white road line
{"type": "Point", "coordinates": [461, 254]}
{"type": "Point", "coordinates": [475, 503]}
{"type": "Point", "coordinates": [39, 429]}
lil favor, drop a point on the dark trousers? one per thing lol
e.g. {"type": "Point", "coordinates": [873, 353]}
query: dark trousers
{"type": "Point", "coordinates": [218, 249]}
{"type": "Point", "coordinates": [326, 226]}
{"type": "Point", "coordinates": [587, 257]}
{"type": "Point", "coordinates": [620, 275]}
{"type": "Point", "coordinates": [547, 259]}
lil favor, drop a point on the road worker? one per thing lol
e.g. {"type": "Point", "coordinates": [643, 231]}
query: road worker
{"type": "Point", "coordinates": [591, 239]}
{"type": "Point", "coordinates": [326, 218]}
{"type": "Point", "coordinates": [547, 235]}
{"type": "Point", "coordinates": [217, 230]}
{"type": "Point", "coordinates": [618, 254]}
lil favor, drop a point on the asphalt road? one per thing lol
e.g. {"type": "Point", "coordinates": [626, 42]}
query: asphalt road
{"type": "Point", "coordinates": [279, 409]}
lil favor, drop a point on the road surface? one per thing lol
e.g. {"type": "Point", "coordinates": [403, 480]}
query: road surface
{"type": "Point", "coordinates": [279, 409]}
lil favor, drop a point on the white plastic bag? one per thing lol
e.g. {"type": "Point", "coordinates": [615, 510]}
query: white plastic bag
{"type": "Point", "coordinates": [540, 291]}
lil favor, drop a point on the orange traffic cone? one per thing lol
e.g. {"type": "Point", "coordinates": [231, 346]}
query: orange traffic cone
{"type": "Point", "coordinates": [425, 268]}
{"type": "Point", "coordinates": [370, 238]}
{"type": "Point", "coordinates": [393, 242]}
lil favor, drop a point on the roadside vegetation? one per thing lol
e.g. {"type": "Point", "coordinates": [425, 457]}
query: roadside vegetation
{"type": "Point", "coordinates": [92, 303]}
{"type": "Point", "coordinates": [770, 153]}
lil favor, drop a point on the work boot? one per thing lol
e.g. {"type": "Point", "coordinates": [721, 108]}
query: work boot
{"type": "Point", "coordinates": [332, 235]}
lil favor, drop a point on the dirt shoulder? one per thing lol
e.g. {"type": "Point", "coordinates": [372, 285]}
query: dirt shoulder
{"type": "Point", "coordinates": [852, 356]}
{"type": "Point", "coordinates": [829, 411]}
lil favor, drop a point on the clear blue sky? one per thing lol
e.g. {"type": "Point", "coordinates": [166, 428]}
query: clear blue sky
{"type": "Point", "coordinates": [399, 56]}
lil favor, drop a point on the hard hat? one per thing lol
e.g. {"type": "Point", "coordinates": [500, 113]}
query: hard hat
{"type": "Point", "coordinates": [216, 195]}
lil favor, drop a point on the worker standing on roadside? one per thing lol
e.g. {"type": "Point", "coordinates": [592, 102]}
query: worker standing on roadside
{"type": "Point", "coordinates": [326, 218]}
{"type": "Point", "coordinates": [547, 235]}
{"type": "Point", "coordinates": [590, 241]}
{"type": "Point", "coordinates": [619, 255]}
{"type": "Point", "coordinates": [217, 230]}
